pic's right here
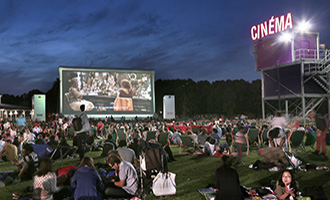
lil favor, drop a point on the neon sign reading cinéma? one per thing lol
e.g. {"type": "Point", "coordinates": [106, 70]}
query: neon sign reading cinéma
{"type": "Point", "coordinates": [272, 26]}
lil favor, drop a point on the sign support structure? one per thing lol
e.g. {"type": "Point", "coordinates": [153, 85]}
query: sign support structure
{"type": "Point", "coordinates": [39, 107]}
{"type": "Point", "coordinates": [169, 107]}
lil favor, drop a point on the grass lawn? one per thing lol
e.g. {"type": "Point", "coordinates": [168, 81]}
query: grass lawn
{"type": "Point", "coordinates": [196, 172]}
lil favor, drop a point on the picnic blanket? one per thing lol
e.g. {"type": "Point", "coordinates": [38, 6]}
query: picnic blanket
{"type": "Point", "coordinates": [208, 193]}
{"type": "Point", "coordinates": [262, 193]}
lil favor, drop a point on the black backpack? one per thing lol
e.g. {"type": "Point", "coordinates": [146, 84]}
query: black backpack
{"type": "Point", "coordinates": [77, 123]}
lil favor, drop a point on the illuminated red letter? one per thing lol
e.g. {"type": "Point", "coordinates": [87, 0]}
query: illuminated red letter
{"type": "Point", "coordinates": [254, 34]}
{"type": "Point", "coordinates": [271, 25]}
{"type": "Point", "coordinates": [288, 23]}
{"type": "Point", "coordinates": [264, 29]}
{"type": "Point", "coordinates": [279, 24]}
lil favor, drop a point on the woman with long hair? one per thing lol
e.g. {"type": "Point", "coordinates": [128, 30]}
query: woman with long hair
{"type": "Point", "coordinates": [44, 181]}
{"type": "Point", "coordinates": [124, 100]}
{"type": "Point", "coordinates": [86, 182]}
{"type": "Point", "coordinates": [286, 186]}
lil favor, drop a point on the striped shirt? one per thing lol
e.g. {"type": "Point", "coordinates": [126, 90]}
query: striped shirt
{"type": "Point", "coordinates": [240, 138]}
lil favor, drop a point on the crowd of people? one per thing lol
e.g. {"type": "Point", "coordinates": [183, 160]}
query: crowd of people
{"type": "Point", "coordinates": [17, 140]}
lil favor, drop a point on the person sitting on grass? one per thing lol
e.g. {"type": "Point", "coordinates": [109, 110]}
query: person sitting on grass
{"type": "Point", "coordinates": [286, 186]}
{"type": "Point", "coordinates": [216, 135]}
{"type": "Point", "coordinates": [209, 146]}
{"type": "Point", "coordinates": [9, 151]}
{"type": "Point", "coordinates": [108, 145]}
{"type": "Point", "coordinates": [52, 142]}
{"type": "Point", "coordinates": [176, 137]}
{"type": "Point", "coordinates": [86, 182]}
{"type": "Point", "coordinates": [127, 185]}
{"type": "Point", "coordinates": [227, 181]}
{"type": "Point", "coordinates": [126, 153]}
{"type": "Point", "coordinates": [40, 139]}
{"type": "Point", "coordinates": [27, 165]}
{"type": "Point", "coordinates": [44, 182]}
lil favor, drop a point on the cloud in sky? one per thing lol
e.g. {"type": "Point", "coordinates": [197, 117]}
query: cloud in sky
{"type": "Point", "coordinates": [201, 40]}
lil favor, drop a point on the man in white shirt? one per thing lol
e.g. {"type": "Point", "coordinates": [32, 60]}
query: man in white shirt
{"type": "Point", "coordinates": [82, 134]}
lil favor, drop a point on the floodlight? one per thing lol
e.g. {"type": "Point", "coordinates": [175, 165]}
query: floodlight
{"type": "Point", "coordinates": [285, 37]}
{"type": "Point", "coordinates": [303, 26]}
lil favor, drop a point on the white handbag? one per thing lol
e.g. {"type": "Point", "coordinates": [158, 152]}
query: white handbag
{"type": "Point", "coordinates": [164, 184]}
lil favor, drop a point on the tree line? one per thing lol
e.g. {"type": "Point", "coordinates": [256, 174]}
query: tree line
{"type": "Point", "coordinates": [229, 98]}
{"type": "Point", "coordinates": [224, 97]}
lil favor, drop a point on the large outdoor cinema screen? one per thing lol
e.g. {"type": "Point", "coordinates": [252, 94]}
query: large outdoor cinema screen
{"type": "Point", "coordinates": [107, 92]}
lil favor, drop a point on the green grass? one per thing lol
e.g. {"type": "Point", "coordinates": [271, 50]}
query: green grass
{"type": "Point", "coordinates": [196, 172]}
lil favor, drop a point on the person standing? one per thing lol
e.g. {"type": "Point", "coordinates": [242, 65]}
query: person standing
{"type": "Point", "coordinates": [20, 122]}
{"type": "Point", "coordinates": [322, 126]}
{"type": "Point", "coordinates": [241, 139]}
{"type": "Point", "coordinates": [82, 134]}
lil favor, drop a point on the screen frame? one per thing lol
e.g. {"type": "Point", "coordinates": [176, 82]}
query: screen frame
{"type": "Point", "coordinates": [97, 69]}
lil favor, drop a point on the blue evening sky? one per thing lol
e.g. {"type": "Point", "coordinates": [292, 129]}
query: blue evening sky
{"type": "Point", "coordinates": [197, 39]}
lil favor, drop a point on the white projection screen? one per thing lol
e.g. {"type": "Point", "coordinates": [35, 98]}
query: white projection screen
{"type": "Point", "coordinates": [107, 92]}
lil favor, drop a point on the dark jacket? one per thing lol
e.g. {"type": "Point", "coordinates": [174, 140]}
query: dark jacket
{"type": "Point", "coordinates": [86, 184]}
{"type": "Point", "coordinates": [227, 183]}
{"type": "Point", "coordinates": [320, 122]}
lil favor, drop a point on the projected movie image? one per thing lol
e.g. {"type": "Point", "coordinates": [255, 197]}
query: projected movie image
{"type": "Point", "coordinates": [107, 92]}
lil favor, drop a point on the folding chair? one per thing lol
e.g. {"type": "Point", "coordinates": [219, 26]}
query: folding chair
{"type": "Point", "coordinates": [93, 130]}
{"type": "Point", "coordinates": [201, 140]}
{"type": "Point", "coordinates": [121, 135]}
{"type": "Point", "coordinates": [296, 140]}
{"type": "Point", "coordinates": [310, 139]}
{"type": "Point", "coordinates": [253, 136]}
{"type": "Point", "coordinates": [264, 136]}
{"type": "Point", "coordinates": [195, 129]}
{"type": "Point", "coordinates": [42, 150]}
{"type": "Point", "coordinates": [163, 138]}
{"type": "Point", "coordinates": [186, 144]}
{"type": "Point", "coordinates": [151, 135]}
